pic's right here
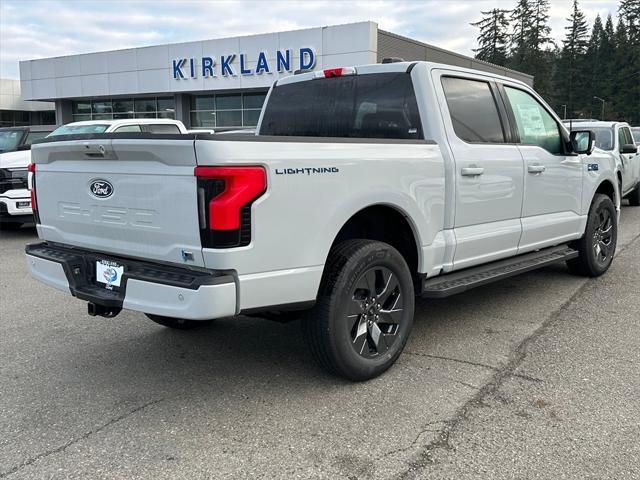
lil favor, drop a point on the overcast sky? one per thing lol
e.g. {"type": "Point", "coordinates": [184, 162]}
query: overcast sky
{"type": "Point", "coordinates": [48, 28]}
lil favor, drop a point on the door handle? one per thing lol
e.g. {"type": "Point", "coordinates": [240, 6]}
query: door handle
{"type": "Point", "coordinates": [472, 171]}
{"type": "Point", "coordinates": [536, 168]}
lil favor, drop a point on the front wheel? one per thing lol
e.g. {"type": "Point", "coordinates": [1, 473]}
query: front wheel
{"type": "Point", "coordinates": [177, 323]}
{"type": "Point", "coordinates": [598, 245]}
{"type": "Point", "coordinates": [364, 311]}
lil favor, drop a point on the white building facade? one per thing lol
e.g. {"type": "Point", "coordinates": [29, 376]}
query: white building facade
{"type": "Point", "coordinates": [218, 83]}
{"type": "Point", "coordinates": [16, 112]}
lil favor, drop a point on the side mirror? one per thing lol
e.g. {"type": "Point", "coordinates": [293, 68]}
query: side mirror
{"type": "Point", "coordinates": [628, 148]}
{"type": "Point", "coordinates": [582, 141]}
{"type": "Point", "coordinates": [22, 148]}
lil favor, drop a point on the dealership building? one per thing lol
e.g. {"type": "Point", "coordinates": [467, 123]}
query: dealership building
{"type": "Point", "coordinates": [219, 83]}
{"type": "Point", "coordinates": [15, 112]}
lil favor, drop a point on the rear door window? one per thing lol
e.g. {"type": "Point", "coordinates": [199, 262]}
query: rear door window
{"type": "Point", "coordinates": [380, 105]}
{"type": "Point", "coordinates": [473, 110]}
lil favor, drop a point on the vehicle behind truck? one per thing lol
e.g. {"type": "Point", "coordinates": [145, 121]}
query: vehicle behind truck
{"type": "Point", "coordinates": [363, 187]}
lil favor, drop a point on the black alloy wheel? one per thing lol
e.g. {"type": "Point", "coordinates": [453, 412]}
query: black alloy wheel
{"type": "Point", "coordinates": [376, 312]}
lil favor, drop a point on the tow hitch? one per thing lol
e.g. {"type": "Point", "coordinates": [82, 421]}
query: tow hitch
{"type": "Point", "coordinates": [100, 310]}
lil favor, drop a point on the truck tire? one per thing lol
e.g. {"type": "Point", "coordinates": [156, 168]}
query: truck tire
{"type": "Point", "coordinates": [364, 310]}
{"type": "Point", "coordinates": [634, 196]}
{"type": "Point", "coordinates": [598, 244]}
{"type": "Point", "coordinates": [177, 323]}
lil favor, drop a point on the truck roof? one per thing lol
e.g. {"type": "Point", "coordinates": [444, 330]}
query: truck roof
{"type": "Point", "coordinates": [393, 67]}
{"type": "Point", "coordinates": [597, 123]}
{"type": "Point", "coordinates": [142, 121]}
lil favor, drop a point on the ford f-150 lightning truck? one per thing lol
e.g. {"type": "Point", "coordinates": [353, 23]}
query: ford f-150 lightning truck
{"type": "Point", "coordinates": [362, 188]}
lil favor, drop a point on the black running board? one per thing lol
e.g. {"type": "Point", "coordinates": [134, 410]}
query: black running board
{"type": "Point", "coordinates": [458, 282]}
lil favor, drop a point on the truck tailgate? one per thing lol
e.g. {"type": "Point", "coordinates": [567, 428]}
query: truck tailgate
{"type": "Point", "coordinates": [127, 196]}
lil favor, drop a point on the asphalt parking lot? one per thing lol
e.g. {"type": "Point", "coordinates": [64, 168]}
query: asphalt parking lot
{"type": "Point", "coordinates": [536, 377]}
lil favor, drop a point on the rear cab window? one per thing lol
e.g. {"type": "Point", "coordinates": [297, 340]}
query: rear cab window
{"type": "Point", "coordinates": [33, 136]}
{"type": "Point", "coordinates": [377, 105]}
{"type": "Point", "coordinates": [128, 129]}
{"type": "Point", "coordinates": [162, 128]}
{"type": "Point", "coordinates": [79, 129]}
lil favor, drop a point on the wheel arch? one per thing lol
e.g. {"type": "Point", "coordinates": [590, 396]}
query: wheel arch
{"type": "Point", "coordinates": [386, 223]}
{"type": "Point", "coordinates": [606, 187]}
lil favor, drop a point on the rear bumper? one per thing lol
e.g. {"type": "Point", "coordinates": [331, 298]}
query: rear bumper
{"type": "Point", "coordinates": [146, 287]}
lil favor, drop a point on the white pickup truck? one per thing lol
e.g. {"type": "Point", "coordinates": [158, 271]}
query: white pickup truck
{"type": "Point", "coordinates": [15, 204]}
{"type": "Point", "coordinates": [617, 139]}
{"type": "Point", "coordinates": [362, 188]}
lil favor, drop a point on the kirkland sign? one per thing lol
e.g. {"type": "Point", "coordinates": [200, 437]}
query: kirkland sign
{"type": "Point", "coordinates": [227, 66]}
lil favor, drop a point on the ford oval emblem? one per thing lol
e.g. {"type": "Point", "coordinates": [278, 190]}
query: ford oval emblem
{"type": "Point", "coordinates": [101, 189]}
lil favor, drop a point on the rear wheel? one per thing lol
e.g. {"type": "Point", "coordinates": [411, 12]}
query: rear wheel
{"type": "Point", "coordinates": [177, 323]}
{"type": "Point", "coordinates": [634, 196]}
{"type": "Point", "coordinates": [364, 312]}
{"type": "Point", "coordinates": [597, 247]}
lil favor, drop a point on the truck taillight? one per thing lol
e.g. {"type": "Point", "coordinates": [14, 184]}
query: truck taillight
{"type": "Point", "coordinates": [225, 195]}
{"type": "Point", "coordinates": [335, 72]}
{"type": "Point", "coordinates": [31, 185]}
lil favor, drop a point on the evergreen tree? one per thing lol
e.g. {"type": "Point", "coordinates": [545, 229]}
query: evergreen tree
{"type": "Point", "coordinates": [520, 18]}
{"type": "Point", "coordinates": [538, 59]}
{"type": "Point", "coordinates": [607, 71]}
{"type": "Point", "coordinates": [621, 101]}
{"type": "Point", "coordinates": [627, 62]}
{"type": "Point", "coordinates": [593, 63]}
{"type": "Point", "coordinates": [569, 80]}
{"type": "Point", "coordinates": [629, 12]}
{"type": "Point", "coordinates": [493, 37]}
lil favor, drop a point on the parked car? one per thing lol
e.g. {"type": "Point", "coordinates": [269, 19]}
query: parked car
{"type": "Point", "coordinates": [616, 138]}
{"type": "Point", "coordinates": [635, 131]}
{"type": "Point", "coordinates": [15, 203]}
{"type": "Point", "coordinates": [363, 187]}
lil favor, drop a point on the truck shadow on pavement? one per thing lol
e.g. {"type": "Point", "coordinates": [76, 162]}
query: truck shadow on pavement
{"type": "Point", "coordinates": [477, 327]}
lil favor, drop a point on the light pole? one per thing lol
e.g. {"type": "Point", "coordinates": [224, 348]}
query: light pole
{"type": "Point", "coordinates": [564, 115]}
{"type": "Point", "coordinates": [602, 100]}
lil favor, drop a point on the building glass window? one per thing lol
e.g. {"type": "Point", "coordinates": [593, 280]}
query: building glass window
{"type": "Point", "coordinates": [21, 118]}
{"type": "Point", "coordinates": [122, 108]}
{"type": "Point", "coordinates": [226, 110]}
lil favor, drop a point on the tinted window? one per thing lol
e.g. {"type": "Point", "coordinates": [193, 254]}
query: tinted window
{"type": "Point", "coordinates": [473, 110]}
{"type": "Point", "coordinates": [35, 136]}
{"type": "Point", "coordinates": [381, 105]}
{"type": "Point", "coordinates": [78, 129]}
{"type": "Point", "coordinates": [635, 131]}
{"type": "Point", "coordinates": [628, 139]}
{"type": "Point", "coordinates": [128, 128]}
{"type": "Point", "coordinates": [535, 125]}
{"type": "Point", "coordinates": [163, 128]}
{"type": "Point", "coordinates": [604, 137]}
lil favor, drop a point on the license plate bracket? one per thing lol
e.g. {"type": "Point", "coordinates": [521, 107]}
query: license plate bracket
{"type": "Point", "coordinates": [109, 273]}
